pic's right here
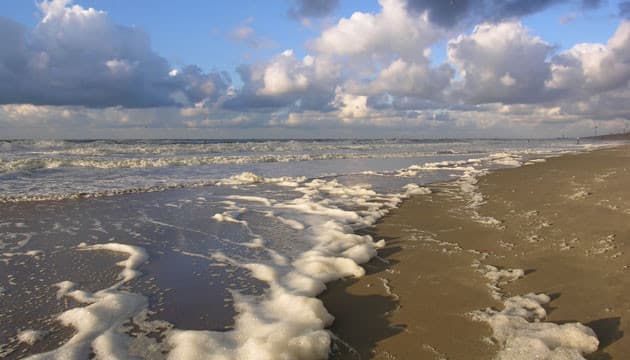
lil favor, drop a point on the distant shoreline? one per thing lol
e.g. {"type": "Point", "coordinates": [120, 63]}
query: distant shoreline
{"type": "Point", "coordinates": [616, 136]}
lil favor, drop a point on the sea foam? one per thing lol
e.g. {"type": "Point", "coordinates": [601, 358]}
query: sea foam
{"type": "Point", "coordinates": [523, 334]}
{"type": "Point", "coordinates": [98, 324]}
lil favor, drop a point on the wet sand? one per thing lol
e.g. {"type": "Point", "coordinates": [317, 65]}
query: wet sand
{"type": "Point", "coordinates": [565, 221]}
{"type": "Point", "coordinates": [189, 293]}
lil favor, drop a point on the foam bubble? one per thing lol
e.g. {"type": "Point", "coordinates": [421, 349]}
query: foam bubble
{"type": "Point", "coordinates": [523, 334]}
{"type": "Point", "coordinates": [30, 337]}
{"type": "Point", "coordinates": [414, 189]}
{"type": "Point", "coordinates": [226, 217]}
{"type": "Point", "coordinates": [98, 325]}
{"type": "Point", "coordinates": [506, 159]}
{"type": "Point", "coordinates": [63, 288]}
{"type": "Point", "coordinates": [137, 256]}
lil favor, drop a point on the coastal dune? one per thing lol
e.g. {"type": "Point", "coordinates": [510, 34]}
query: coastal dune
{"type": "Point", "coordinates": [547, 241]}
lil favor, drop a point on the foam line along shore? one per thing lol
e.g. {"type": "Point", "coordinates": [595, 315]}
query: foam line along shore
{"type": "Point", "coordinates": [521, 263]}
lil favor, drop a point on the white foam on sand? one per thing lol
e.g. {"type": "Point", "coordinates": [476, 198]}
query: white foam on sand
{"type": "Point", "coordinates": [226, 217]}
{"type": "Point", "coordinates": [414, 189]}
{"type": "Point", "coordinates": [137, 256]}
{"type": "Point", "coordinates": [30, 337]}
{"type": "Point", "coordinates": [294, 224]}
{"type": "Point", "coordinates": [470, 171]}
{"type": "Point", "coordinates": [523, 334]}
{"type": "Point", "coordinates": [506, 159]}
{"type": "Point", "coordinates": [497, 278]}
{"type": "Point", "coordinates": [520, 328]}
{"type": "Point", "coordinates": [535, 161]}
{"type": "Point", "coordinates": [98, 324]}
{"type": "Point", "coordinates": [579, 195]}
{"type": "Point", "coordinates": [64, 287]}
{"type": "Point", "coordinates": [289, 321]}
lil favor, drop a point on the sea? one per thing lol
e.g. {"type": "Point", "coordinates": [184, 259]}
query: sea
{"type": "Point", "coordinates": [209, 249]}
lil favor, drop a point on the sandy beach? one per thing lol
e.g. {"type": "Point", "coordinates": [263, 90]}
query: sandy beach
{"type": "Point", "coordinates": [563, 222]}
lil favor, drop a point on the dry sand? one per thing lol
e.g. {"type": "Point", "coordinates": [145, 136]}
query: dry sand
{"type": "Point", "coordinates": [565, 221]}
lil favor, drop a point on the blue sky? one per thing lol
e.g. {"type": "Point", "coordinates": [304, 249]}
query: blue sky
{"type": "Point", "coordinates": [197, 32]}
{"type": "Point", "coordinates": [113, 68]}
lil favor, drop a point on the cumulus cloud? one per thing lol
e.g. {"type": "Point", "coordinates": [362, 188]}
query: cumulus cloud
{"type": "Point", "coordinates": [351, 106]}
{"type": "Point", "coordinates": [368, 70]}
{"type": "Point", "coordinates": [594, 67]}
{"type": "Point", "coordinates": [194, 85]}
{"type": "Point", "coordinates": [363, 56]}
{"type": "Point", "coordinates": [312, 8]}
{"type": "Point", "coordinates": [285, 75]}
{"type": "Point", "coordinates": [375, 56]}
{"type": "Point", "coordinates": [392, 32]}
{"type": "Point", "coordinates": [501, 63]}
{"type": "Point", "coordinates": [450, 13]}
{"type": "Point", "coordinates": [78, 56]}
{"type": "Point", "coordinates": [408, 78]}
{"type": "Point", "coordinates": [286, 80]}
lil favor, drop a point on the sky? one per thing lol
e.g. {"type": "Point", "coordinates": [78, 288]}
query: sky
{"type": "Point", "coordinates": [313, 68]}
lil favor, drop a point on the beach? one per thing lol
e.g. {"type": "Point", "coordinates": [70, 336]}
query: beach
{"type": "Point", "coordinates": [562, 223]}
{"type": "Point", "coordinates": [192, 249]}
{"type": "Point", "coordinates": [314, 179]}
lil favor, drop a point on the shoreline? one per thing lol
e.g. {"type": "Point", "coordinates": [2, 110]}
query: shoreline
{"type": "Point", "coordinates": [417, 296]}
{"type": "Point", "coordinates": [177, 222]}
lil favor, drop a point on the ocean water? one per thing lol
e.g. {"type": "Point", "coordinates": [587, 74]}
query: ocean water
{"type": "Point", "coordinates": [203, 249]}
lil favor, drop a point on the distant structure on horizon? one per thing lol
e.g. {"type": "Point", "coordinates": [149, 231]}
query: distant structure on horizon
{"type": "Point", "coordinates": [616, 136]}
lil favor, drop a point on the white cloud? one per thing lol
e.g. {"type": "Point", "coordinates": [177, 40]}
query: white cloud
{"type": "Point", "coordinates": [500, 63]}
{"type": "Point", "coordinates": [393, 32]}
{"type": "Point", "coordinates": [286, 74]}
{"type": "Point", "coordinates": [287, 80]}
{"type": "Point", "coordinates": [594, 67]}
{"type": "Point", "coordinates": [21, 111]}
{"type": "Point", "coordinates": [119, 67]}
{"type": "Point", "coordinates": [196, 110]}
{"type": "Point", "coordinates": [508, 80]}
{"type": "Point", "coordinates": [78, 56]}
{"type": "Point", "coordinates": [351, 106]}
{"type": "Point", "coordinates": [407, 78]}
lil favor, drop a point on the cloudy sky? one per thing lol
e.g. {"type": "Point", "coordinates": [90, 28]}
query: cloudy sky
{"type": "Point", "coordinates": [313, 68]}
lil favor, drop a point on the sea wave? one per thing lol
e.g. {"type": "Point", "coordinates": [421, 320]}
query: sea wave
{"type": "Point", "coordinates": [38, 163]}
{"type": "Point", "coordinates": [245, 178]}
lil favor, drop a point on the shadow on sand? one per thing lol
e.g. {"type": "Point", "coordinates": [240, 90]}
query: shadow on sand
{"type": "Point", "coordinates": [608, 332]}
{"type": "Point", "coordinates": [361, 320]}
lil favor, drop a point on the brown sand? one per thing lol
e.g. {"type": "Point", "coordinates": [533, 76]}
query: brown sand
{"type": "Point", "coordinates": [566, 221]}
